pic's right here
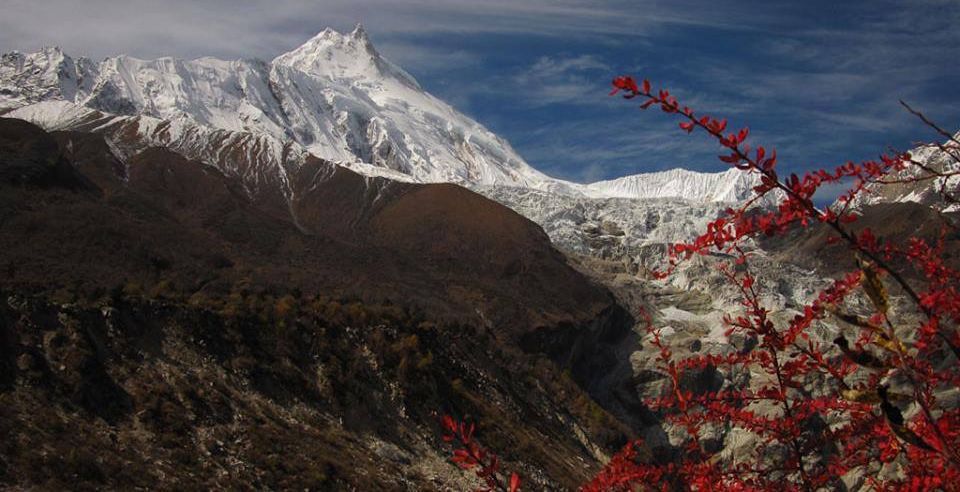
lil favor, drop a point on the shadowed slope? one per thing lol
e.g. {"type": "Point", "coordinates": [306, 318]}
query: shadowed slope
{"type": "Point", "coordinates": [334, 323]}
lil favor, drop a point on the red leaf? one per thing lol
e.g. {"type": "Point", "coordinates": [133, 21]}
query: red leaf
{"type": "Point", "coordinates": [469, 433]}
{"type": "Point", "coordinates": [514, 482]}
{"type": "Point", "coordinates": [463, 459]}
{"type": "Point", "coordinates": [646, 86]}
{"type": "Point", "coordinates": [624, 84]}
{"type": "Point", "coordinates": [449, 423]}
{"type": "Point", "coordinates": [686, 126]}
{"type": "Point", "coordinates": [730, 159]}
{"type": "Point", "coordinates": [768, 164]}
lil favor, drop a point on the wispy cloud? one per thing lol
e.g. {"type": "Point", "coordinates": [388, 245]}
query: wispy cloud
{"type": "Point", "coordinates": [567, 80]}
{"type": "Point", "coordinates": [547, 66]}
{"type": "Point", "coordinates": [426, 57]}
{"type": "Point", "coordinates": [234, 28]}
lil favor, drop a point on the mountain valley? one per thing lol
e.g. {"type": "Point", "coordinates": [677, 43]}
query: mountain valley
{"type": "Point", "coordinates": [281, 274]}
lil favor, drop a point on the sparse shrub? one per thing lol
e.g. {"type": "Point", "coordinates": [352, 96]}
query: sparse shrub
{"type": "Point", "coordinates": [284, 306]}
{"type": "Point", "coordinates": [164, 289]}
{"type": "Point", "coordinates": [425, 361]}
{"type": "Point", "coordinates": [356, 314]}
{"type": "Point", "coordinates": [133, 289]}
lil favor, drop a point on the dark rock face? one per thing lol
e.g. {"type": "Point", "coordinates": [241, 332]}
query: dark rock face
{"type": "Point", "coordinates": [598, 357]}
{"type": "Point", "coordinates": [31, 156]}
{"type": "Point", "coordinates": [166, 327]}
{"type": "Point", "coordinates": [90, 155]}
{"type": "Point", "coordinates": [72, 359]}
{"type": "Point", "coordinates": [9, 361]}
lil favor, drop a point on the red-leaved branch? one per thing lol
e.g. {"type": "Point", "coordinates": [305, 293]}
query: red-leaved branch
{"type": "Point", "coordinates": [470, 455]}
{"type": "Point", "coordinates": [873, 406]}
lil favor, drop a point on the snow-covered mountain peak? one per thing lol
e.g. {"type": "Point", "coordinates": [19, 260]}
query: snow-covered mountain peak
{"type": "Point", "coordinates": [53, 53]}
{"type": "Point", "coordinates": [336, 97]}
{"type": "Point", "coordinates": [926, 191]}
{"type": "Point", "coordinates": [358, 34]}
{"type": "Point", "coordinates": [48, 57]}
{"type": "Point", "coordinates": [337, 56]}
{"type": "Point", "coordinates": [330, 40]}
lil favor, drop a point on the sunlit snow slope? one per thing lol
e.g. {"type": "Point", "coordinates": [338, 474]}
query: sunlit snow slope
{"type": "Point", "coordinates": [334, 97]}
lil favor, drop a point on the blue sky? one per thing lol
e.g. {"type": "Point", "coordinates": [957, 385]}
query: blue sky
{"type": "Point", "coordinates": [819, 80]}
